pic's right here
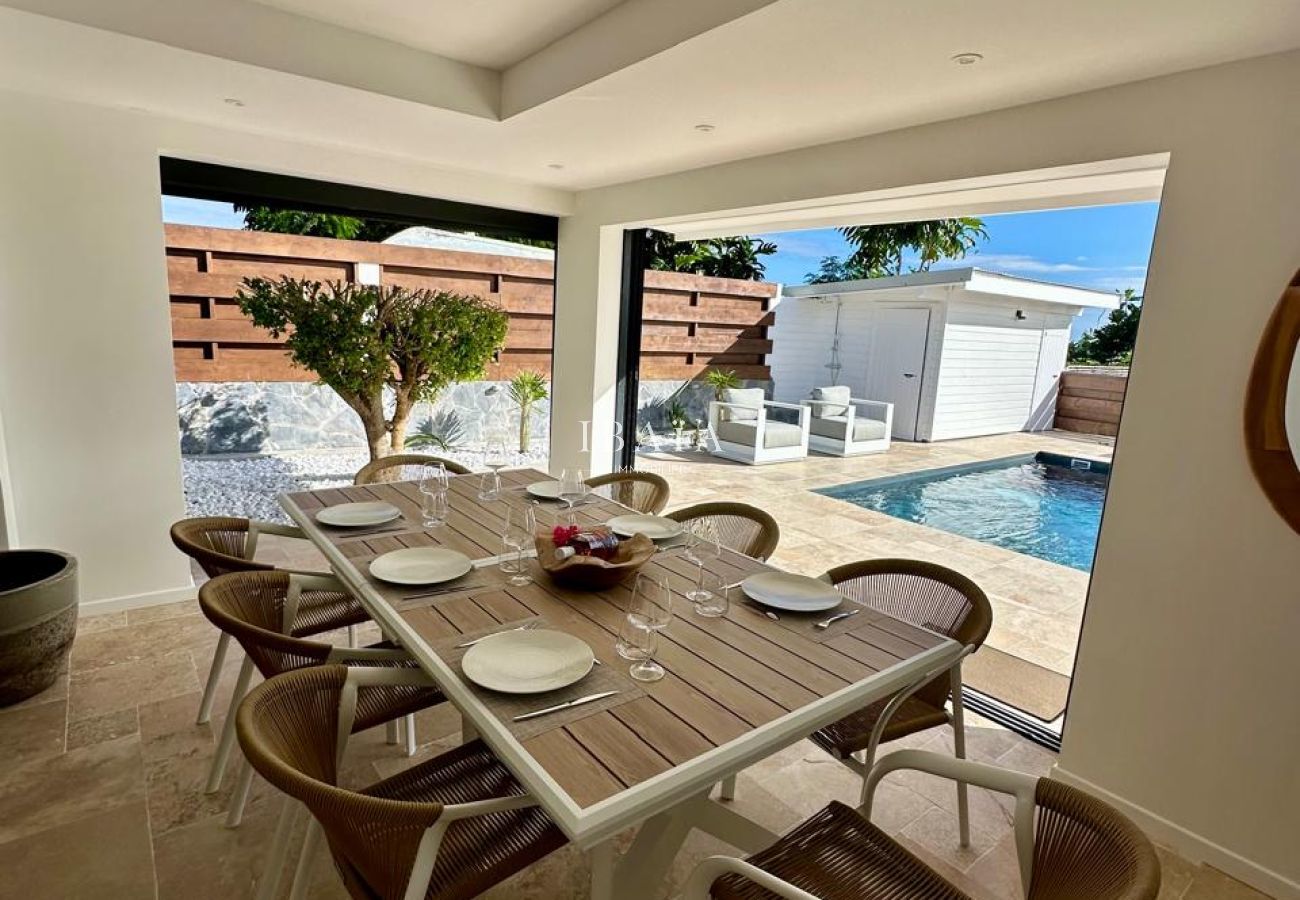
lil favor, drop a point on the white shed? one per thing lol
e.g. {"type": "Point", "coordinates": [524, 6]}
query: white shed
{"type": "Point", "coordinates": [959, 352]}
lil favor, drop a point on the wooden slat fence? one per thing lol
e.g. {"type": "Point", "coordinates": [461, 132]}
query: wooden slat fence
{"type": "Point", "coordinates": [1090, 402]}
{"type": "Point", "coordinates": [691, 322]}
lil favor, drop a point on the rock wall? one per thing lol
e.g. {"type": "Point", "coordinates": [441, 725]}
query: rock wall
{"type": "Point", "coordinates": [278, 416]}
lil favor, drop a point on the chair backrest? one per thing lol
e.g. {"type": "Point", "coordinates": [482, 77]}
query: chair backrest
{"type": "Point", "coordinates": [216, 543]}
{"type": "Point", "coordinates": [643, 491]}
{"type": "Point", "coordinates": [394, 468]}
{"type": "Point", "coordinates": [1085, 849]}
{"type": "Point", "coordinates": [741, 527]}
{"type": "Point", "coordinates": [925, 594]}
{"type": "Point", "coordinates": [288, 729]}
{"type": "Point", "coordinates": [250, 607]}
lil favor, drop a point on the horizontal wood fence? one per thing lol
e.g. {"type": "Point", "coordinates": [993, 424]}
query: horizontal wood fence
{"type": "Point", "coordinates": [1090, 402]}
{"type": "Point", "coordinates": [692, 322]}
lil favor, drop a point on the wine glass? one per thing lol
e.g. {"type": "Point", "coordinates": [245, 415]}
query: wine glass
{"type": "Point", "coordinates": [573, 487]}
{"type": "Point", "coordinates": [703, 545]}
{"type": "Point", "coordinates": [717, 596]}
{"type": "Point", "coordinates": [518, 528]}
{"type": "Point", "coordinates": [649, 611]}
{"type": "Point", "coordinates": [433, 478]}
{"type": "Point", "coordinates": [433, 508]}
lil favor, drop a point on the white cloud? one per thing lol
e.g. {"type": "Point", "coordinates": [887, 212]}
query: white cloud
{"type": "Point", "coordinates": [1019, 262]}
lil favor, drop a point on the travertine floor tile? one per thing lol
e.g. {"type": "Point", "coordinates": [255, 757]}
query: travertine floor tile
{"type": "Point", "coordinates": [103, 855]}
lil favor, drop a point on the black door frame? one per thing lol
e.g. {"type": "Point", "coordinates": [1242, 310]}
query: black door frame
{"type": "Point", "coordinates": [636, 246]}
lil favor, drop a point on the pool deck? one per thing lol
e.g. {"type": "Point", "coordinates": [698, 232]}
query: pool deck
{"type": "Point", "coordinates": [1037, 605]}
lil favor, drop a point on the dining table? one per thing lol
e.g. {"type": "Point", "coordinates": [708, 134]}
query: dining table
{"type": "Point", "coordinates": [737, 688]}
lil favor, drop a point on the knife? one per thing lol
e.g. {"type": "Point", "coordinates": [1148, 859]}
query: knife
{"type": "Point", "coordinates": [590, 698]}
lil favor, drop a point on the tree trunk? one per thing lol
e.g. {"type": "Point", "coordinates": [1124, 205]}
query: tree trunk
{"type": "Point", "coordinates": [525, 427]}
{"type": "Point", "coordinates": [402, 409]}
{"type": "Point", "coordinates": [371, 412]}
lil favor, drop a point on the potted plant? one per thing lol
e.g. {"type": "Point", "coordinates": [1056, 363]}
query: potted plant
{"type": "Point", "coordinates": [527, 389]}
{"type": "Point", "coordinates": [677, 420]}
{"type": "Point", "coordinates": [38, 620]}
{"type": "Point", "coordinates": [720, 381]}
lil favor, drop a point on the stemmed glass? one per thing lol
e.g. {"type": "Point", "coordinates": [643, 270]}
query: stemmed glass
{"type": "Point", "coordinates": [433, 495]}
{"type": "Point", "coordinates": [702, 546]}
{"type": "Point", "coordinates": [649, 611]}
{"type": "Point", "coordinates": [495, 458]}
{"type": "Point", "coordinates": [573, 487]}
{"type": "Point", "coordinates": [518, 528]}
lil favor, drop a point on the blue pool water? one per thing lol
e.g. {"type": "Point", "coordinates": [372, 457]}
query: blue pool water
{"type": "Point", "coordinates": [1040, 505]}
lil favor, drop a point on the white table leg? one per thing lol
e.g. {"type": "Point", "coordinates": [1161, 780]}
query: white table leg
{"type": "Point", "coordinates": [723, 822]}
{"type": "Point", "coordinates": [602, 870]}
{"type": "Point", "coordinates": [646, 863]}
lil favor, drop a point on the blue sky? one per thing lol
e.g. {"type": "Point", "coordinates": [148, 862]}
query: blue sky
{"type": "Point", "coordinates": [1103, 247]}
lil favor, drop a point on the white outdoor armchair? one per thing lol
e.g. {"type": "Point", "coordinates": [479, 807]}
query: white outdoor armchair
{"type": "Point", "coordinates": [743, 429]}
{"type": "Point", "coordinates": [842, 425]}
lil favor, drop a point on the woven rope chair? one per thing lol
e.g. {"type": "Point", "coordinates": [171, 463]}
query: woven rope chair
{"type": "Point", "coordinates": [931, 596]}
{"type": "Point", "coordinates": [645, 492]}
{"type": "Point", "coordinates": [394, 468]}
{"type": "Point", "coordinates": [254, 609]}
{"type": "Point", "coordinates": [1070, 846]}
{"type": "Point", "coordinates": [741, 527]}
{"type": "Point", "coordinates": [448, 828]}
{"type": "Point", "coordinates": [224, 544]}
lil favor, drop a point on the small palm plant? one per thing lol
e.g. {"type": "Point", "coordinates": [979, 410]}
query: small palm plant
{"type": "Point", "coordinates": [720, 381]}
{"type": "Point", "coordinates": [526, 390]}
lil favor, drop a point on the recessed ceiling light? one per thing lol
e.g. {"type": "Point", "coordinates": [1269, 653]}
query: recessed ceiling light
{"type": "Point", "coordinates": [233, 101]}
{"type": "Point", "coordinates": [967, 59]}
{"type": "Point", "coordinates": [556, 166]}
{"type": "Point", "coordinates": [705, 128]}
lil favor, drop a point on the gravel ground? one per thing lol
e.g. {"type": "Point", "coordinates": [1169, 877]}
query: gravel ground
{"type": "Point", "coordinates": [248, 485]}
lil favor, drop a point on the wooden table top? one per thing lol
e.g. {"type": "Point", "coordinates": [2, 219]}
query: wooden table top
{"type": "Point", "coordinates": [737, 688]}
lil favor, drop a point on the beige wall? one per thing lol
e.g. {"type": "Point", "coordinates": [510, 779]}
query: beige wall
{"type": "Point", "coordinates": [89, 455]}
{"type": "Point", "coordinates": [1184, 706]}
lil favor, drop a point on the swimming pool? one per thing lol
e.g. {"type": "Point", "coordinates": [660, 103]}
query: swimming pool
{"type": "Point", "coordinates": [1043, 504]}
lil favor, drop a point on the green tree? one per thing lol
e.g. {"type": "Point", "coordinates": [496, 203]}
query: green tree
{"type": "Point", "coordinates": [878, 249]}
{"type": "Point", "coordinates": [318, 224]}
{"type": "Point", "coordinates": [837, 268]}
{"type": "Point", "coordinates": [527, 389]}
{"type": "Point", "coordinates": [737, 257]}
{"type": "Point", "coordinates": [721, 380]}
{"type": "Point", "coordinates": [1111, 342]}
{"type": "Point", "coordinates": [360, 339]}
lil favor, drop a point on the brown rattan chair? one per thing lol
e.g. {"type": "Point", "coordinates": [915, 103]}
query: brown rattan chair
{"type": "Point", "coordinates": [447, 828]}
{"type": "Point", "coordinates": [255, 609]}
{"type": "Point", "coordinates": [645, 492]}
{"type": "Point", "coordinates": [223, 544]}
{"type": "Point", "coordinates": [394, 468]}
{"type": "Point", "coordinates": [741, 527]}
{"type": "Point", "coordinates": [931, 596]}
{"type": "Point", "coordinates": [1070, 846]}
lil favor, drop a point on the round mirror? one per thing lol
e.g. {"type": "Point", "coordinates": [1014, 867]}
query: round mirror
{"type": "Point", "coordinates": [1273, 407]}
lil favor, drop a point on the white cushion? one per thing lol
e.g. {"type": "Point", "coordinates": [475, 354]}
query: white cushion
{"type": "Point", "coordinates": [749, 397]}
{"type": "Point", "coordinates": [839, 405]}
{"type": "Point", "coordinates": [834, 427]}
{"type": "Point", "coordinates": [775, 434]}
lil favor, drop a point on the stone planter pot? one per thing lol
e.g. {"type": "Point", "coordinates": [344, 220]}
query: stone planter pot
{"type": "Point", "coordinates": [38, 620]}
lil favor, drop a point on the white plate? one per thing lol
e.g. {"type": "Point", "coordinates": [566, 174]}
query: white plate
{"type": "Point", "coordinates": [657, 528]}
{"type": "Point", "coordinates": [544, 490]}
{"type": "Point", "coordinates": [527, 662]}
{"type": "Point", "coordinates": [420, 565]}
{"type": "Point", "coordinates": [796, 593]}
{"type": "Point", "coordinates": [358, 515]}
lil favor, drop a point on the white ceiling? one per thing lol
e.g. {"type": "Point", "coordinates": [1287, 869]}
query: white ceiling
{"type": "Point", "coordinates": [627, 88]}
{"type": "Point", "coordinates": [492, 33]}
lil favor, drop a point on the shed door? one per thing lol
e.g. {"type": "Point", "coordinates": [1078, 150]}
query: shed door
{"type": "Point", "coordinates": [896, 364]}
{"type": "Point", "coordinates": [1051, 360]}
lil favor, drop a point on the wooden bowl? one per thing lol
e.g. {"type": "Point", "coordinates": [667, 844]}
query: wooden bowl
{"type": "Point", "coordinates": [592, 573]}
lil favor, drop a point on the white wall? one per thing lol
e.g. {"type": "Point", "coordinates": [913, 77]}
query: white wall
{"type": "Point", "coordinates": [87, 390]}
{"type": "Point", "coordinates": [1184, 703]}
{"type": "Point", "coordinates": [988, 369]}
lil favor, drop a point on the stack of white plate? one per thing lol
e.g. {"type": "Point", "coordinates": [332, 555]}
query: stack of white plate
{"type": "Point", "coordinates": [358, 515]}
{"type": "Point", "coordinates": [657, 528]}
{"type": "Point", "coordinates": [528, 662]}
{"type": "Point", "coordinates": [794, 593]}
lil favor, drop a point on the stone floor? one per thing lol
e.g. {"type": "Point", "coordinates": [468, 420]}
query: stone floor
{"type": "Point", "coordinates": [1037, 605]}
{"type": "Point", "coordinates": [102, 792]}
